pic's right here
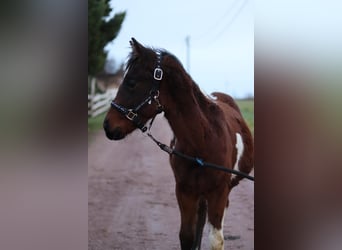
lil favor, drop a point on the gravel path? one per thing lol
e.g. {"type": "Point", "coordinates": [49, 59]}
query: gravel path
{"type": "Point", "coordinates": [131, 198]}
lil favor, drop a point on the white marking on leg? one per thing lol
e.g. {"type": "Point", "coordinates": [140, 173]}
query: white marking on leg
{"type": "Point", "coordinates": [224, 214]}
{"type": "Point", "coordinates": [239, 147]}
{"type": "Point", "coordinates": [216, 236]}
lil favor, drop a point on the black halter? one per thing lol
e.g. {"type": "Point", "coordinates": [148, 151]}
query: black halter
{"type": "Point", "coordinates": [132, 113]}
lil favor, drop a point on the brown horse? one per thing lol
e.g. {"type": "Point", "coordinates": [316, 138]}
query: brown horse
{"type": "Point", "coordinates": [210, 128]}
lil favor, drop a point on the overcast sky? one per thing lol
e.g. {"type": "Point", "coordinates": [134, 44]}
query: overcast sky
{"type": "Point", "coordinates": [221, 38]}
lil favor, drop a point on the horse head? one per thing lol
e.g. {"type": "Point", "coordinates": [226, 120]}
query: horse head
{"type": "Point", "coordinates": [137, 99]}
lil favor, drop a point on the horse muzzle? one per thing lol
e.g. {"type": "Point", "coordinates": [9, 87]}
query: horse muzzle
{"type": "Point", "coordinates": [115, 134]}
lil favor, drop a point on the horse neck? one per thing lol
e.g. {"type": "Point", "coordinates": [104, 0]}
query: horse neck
{"type": "Point", "coordinates": [186, 113]}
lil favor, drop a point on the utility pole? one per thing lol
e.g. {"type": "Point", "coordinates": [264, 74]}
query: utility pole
{"type": "Point", "coordinates": [187, 42]}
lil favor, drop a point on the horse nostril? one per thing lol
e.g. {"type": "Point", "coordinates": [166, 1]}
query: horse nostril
{"type": "Point", "coordinates": [117, 134]}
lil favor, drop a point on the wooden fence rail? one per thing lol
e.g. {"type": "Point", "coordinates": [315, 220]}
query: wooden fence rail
{"type": "Point", "coordinates": [100, 103]}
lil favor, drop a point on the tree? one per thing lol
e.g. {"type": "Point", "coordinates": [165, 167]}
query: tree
{"type": "Point", "coordinates": [101, 31]}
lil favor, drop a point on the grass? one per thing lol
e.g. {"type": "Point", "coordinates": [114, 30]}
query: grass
{"type": "Point", "coordinates": [95, 123]}
{"type": "Point", "coordinates": [247, 110]}
{"type": "Point", "coordinates": [246, 107]}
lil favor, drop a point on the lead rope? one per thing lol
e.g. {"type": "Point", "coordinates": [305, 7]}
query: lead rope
{"type": "Point", "coordinates": [158, 75]}
{"type": "Point", "coordinates": [162, 146]}
{"type": "Point", "coordinates": [196, 160]}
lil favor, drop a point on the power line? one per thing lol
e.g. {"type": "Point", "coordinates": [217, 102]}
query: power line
{"type": "Point", "coordinates": [212, 27]}
{"type": "Point", "coordinates": [226, 27]}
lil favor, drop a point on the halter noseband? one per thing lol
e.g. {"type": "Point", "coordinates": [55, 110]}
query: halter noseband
{"type": "Point", "coordinates": [132, 114]}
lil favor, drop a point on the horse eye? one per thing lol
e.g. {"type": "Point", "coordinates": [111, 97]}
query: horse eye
{"type": "Point", "coordinates": [130, 83]}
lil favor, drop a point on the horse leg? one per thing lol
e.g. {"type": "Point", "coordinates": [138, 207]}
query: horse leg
{"type": "Point", "coordinates": [201, 219]}
{"type": "Point", "coordinates": [188, 208]}
{"type": "Point", "coordinates": [216, 208]}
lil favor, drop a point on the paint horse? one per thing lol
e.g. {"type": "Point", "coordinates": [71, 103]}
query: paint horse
{"type": "Point", "coordinates": [211, 128]}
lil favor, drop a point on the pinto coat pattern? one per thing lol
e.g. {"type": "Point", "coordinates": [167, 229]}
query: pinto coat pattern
{"type": "Point", "coordinates": [210, 128]}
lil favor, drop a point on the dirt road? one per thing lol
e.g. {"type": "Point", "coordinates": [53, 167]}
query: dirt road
{"type": "Point", "coordinates": [131, 198]}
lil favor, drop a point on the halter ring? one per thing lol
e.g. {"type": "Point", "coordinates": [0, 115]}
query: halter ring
{"type": "Point", "coordinates": [158, 74]}
{"type": "Point", "coordinates": [131, 115]}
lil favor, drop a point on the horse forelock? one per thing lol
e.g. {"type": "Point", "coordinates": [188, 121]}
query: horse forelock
{"type": "Point", "coordinates": [148, 56]}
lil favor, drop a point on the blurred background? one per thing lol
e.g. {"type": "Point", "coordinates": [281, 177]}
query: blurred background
{"type": "Point", "coordinates": [43, 131]}
{"type": "Point", "coordinates": [298, 59]}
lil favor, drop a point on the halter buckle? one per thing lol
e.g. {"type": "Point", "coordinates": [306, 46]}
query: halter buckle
{"type": "Point", "coordinates": [158, 74]}
{"type": "Point", "coordinates": [131, 115]}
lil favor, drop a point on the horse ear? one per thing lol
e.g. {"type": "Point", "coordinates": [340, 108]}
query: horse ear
{"type": "Point", "coordinates": [137, 48]}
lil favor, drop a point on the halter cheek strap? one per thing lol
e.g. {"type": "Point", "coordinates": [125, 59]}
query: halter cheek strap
{"type": "Point", "coordinates": [132, 114]}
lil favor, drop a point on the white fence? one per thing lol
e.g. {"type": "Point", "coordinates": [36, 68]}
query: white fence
{"type": "Point", "coordinates": [100, 103]}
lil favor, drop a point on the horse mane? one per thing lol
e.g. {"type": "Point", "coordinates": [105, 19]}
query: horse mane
{"type": "Point", "coordinates": [181, 81]}
{"type": "Point", "coordinates": [188, 84]}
